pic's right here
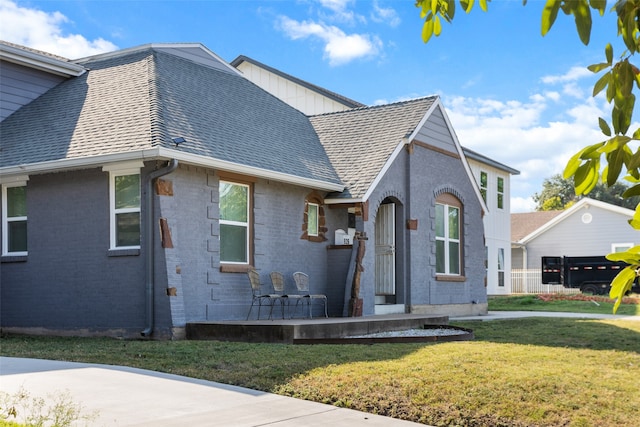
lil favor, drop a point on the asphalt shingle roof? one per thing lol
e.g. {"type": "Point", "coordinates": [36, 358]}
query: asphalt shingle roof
{"type": "Point", "coordinates": [360, 141]}
{"type": "Point", "coordinates": [523, 224]}
{"type": "Point", "coordinates": [141, 99]}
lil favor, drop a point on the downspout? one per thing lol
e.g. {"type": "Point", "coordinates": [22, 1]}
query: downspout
{"type": "Point", "coordinates": [149, 242]}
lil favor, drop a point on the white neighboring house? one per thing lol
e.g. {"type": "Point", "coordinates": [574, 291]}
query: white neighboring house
{"type": "Point", "coordinates": [588, 228]}
{"type": "Point", "coordinates": [492, 177]}
{"type": "Point", "coordinates": [495, 185]}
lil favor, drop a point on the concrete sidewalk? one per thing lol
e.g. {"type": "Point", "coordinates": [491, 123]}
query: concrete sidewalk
{"type": "Point", "coordinates": [121, 396]}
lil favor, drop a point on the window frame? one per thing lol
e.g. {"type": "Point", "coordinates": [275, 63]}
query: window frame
{"type": "Point", "coordinates": [501, 268]}
{"type": "Point", "coordinates": [314, 199]}
{"type": "Point", "coordinates": [448, 201]}
{"type": "Point", "coordinates": [117, 170]}
{"type": "Point", "coordinates": [6, 219]}
{"type": "Point", "coordinates": [615, 247]}
{"type": "Point", "coordinates": [313, 206]}
{"type": "Point", "coordinates": [248, 224]}
{"type": "Point", "coordinates": [484, 185]}
{"type": "Point", "coordinates": [500, 192]}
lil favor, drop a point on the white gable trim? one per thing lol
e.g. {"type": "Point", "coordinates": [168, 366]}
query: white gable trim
{"type": "Point", "coordinates": [40, 62]}
{"type": "Point", "coordinates": [582, 204]}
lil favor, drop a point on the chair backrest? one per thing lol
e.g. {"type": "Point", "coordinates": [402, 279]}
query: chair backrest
{"type": "Point", "coordinates": [254, 279]}
{"type": "Point", "coordinates": [277, 280]}
{"type": "Point", "coordinates": [302, 281]}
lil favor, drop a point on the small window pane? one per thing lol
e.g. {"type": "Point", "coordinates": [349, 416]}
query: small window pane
{"type": "Point", "coordinates": [500, 259]}
{"type": "Point", "coordinates": [500, 201]}
{"type": "Point", "coordinates": [16, 201]}
{"type": "Point", "coordinates": [439, 220]}
{"type": "Point", "coordinates": [483, 191]}
{"type": "Point", "coordinates": [454, 231]}
{"type": "Point", "coordinates": [17, 231]}
{"type": "Point", "coordinates": [483, 179]}
{"type": "Point", "coordinates": [233, 243]}
{"type": "Point", "coordinates": [440, 256]}
{"type": "Point", "coordinates": [500, 185]}
{"type": "Point", "coordinates": [312, 219]}
{"type": "Point", "coordinates": [454, 258]}
{"type": "Point", "coordinates": [233, 202]}
{"type": "Point", "coordinates": [128, 229]}
{"type": "Point", "coordinates": [127, 191]}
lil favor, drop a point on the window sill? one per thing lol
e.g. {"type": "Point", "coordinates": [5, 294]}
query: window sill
{"type": "Point", "coordinates": [123, 252]}
{"type": "Point", "coordinates": [235, 268]}
{"type": "Point", "coordinates": [442, 278]}
{"type": "Point", "coordinates": [13, 258]}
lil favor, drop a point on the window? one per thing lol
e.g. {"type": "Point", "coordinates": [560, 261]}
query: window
{"type": "Point", "coordinates": [234, 223]}
{"type": "Point", "coordinates": [501, 267]}
{"type": "Point", "coordinates": [314, 222]}
{"type": "Point", "coordinates": [483, 185]}
{"type": "Point", "coordinates": [312, 219]}
{"type": "Point", "coordinates": [500, 193]}
{"type": "Point", "coordinates": [14, 219]}
{"type": "Point", "coordinates": [448, 254]}
{"type": "Point", "coordinates": [621, 247]}
{"type": "Point", "coordinates": [124, 205]}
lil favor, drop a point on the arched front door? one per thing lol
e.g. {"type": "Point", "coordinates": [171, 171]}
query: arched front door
{"type": "Point", "coordinates": [386, 260]}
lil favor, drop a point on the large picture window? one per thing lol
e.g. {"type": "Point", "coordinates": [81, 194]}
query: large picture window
{"type": "Point", "coordinates": [234, 222]}
{"type": "Point", "coordinates": [14, 220]}
{"type": "Point", "coordinates": [448, 250]}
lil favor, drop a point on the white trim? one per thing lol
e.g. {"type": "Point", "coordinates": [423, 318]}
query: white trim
{"type": "Point", "coordinates": [40, 62]}
{"type": "Point", "coordinates": [5, 220]}
{"type": "Point", "coordinates": [14, 180]}
{"type": "Point", "coordinates": [621, 245]}
{"type": "Point", "coordinates": [113, 212]}
{"type": "Point", "coordinates": [247, 224]}
{"type": "Point", "coordinates": [582, 203]}
{"type": "Point", "coordinates": [124, 168]}
{"type": "Point", "coordinates": [160, 153]}
{"type": "Point", "coordinates": [317, 219]}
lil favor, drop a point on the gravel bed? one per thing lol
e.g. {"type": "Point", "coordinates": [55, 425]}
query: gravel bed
{"type": "Point", "coordinates": [431, 332]}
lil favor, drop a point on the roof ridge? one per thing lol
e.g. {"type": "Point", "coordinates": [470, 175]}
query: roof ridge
{"type": "Point", "coordinates": [379, 106]}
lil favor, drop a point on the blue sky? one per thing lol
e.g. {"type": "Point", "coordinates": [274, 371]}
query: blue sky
{"type": "Point", "coordinates": [511, 94]}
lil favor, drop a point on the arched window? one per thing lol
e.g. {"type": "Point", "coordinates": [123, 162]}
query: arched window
{"type": "Point", "coordinates": [313, 225]}
{"type": "Point", "coordinates": [448, 235]}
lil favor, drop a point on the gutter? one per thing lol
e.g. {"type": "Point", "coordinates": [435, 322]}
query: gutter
{"type": "Point", "coordinates": [149, 251]}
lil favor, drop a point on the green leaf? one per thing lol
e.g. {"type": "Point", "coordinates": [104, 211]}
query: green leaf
{"type": "Point", "coordinates": [582, 16]}
{"type": "Point", "coordinates": [615, 161]}
{"type": "Point", "coordinates": [631, 192]}
{"type": "Point", "coordinates": [437, 26]}
{"type": "Point", "coordinates": [549, 15]}
{"type": "Point", "coordinates": [427, 29]}
{"type": "Point", "coordinates": [596, 68]}
{"type": "Point", "coordinates": [467, 5]}
{"type": "Point", "coordinates": [484, 5]}
{"type": "Point", "coordinates": [635, 221]}
{"type": "Point", "coordinates": [608, 51]}
{"type": "Point", "coordinates": [601, 83]}
{"type": "Point", "coordinates": [604, 127]}
{"type": "Point", "coordinates": [586, 177]}
{"type": "Point", "coordinates": [621, 284]}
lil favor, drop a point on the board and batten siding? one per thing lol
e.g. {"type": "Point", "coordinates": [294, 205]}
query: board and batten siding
{"type": "Point", "coordinates": [576, 236]}
{"type": "Point", "coordinates": [20, 85]}
{"type": "Point", "coordinates": [299, 97]}
{"type": "Point", "coordinates": [435, 133]}
{"type": "Point", "coordinates": [497, 225]}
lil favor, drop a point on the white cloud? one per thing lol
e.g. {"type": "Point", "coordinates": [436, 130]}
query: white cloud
{"type": "Point", "coordinates": [574, 73]}
{"type": "Point", "coordinates": [339, 47]}
{"type": "Point", "coordinates": [386, 15]}
{"type": "Point", "coordinates": [517, 134]}
{"type": "Point", "coordinates": [45, 31]}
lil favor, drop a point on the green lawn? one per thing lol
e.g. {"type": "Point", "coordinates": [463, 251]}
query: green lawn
{"type": "Point", "coordinates": [524, 372]}
{"type": "Point", "coordinates": [576, 304]}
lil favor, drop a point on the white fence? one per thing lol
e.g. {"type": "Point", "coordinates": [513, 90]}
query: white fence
{"type": "Point", "coordinates": [530, 282]}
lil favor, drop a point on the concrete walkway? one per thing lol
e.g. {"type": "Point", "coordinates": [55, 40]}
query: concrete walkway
{"type": "Point", "coordinates": [121, 396]}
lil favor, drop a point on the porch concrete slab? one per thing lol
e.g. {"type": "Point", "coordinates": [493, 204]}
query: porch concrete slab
{"type": "Point", "coordinates": [122, 396]}
{"type": "Point", "coordinates": [288, 331]}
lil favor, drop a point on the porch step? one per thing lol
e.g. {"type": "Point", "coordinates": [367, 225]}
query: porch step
{"type": "Point", "coordinates": [290, 331]}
